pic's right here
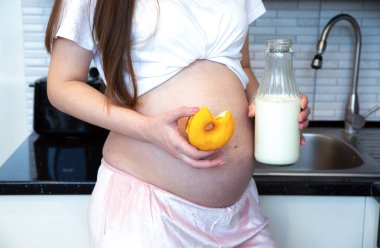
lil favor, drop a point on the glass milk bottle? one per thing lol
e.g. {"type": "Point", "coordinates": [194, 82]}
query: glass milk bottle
{"type": "Point", "coordinates": [277, 137]}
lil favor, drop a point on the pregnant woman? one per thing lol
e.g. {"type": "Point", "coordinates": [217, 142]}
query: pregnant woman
{"type": "Point", "coordinates": [161, 61]}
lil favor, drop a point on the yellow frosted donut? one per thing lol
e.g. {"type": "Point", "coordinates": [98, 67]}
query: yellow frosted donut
{"type": "Point", "coordinates": [208, 132]}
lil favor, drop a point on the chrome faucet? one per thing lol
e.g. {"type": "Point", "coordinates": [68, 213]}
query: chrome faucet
{"type": "Point", "coordinates": [352, 106]}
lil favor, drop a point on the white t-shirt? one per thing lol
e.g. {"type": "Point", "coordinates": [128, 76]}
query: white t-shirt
{"type": "Point", "coordinates": [170, 36]}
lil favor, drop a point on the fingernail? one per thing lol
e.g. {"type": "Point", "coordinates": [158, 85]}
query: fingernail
{"type": "Point", "coordinates": [193, 110]}
{"type": "Point", "coordinates": [221, 162]}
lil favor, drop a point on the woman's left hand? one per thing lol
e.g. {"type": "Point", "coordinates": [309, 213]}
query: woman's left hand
{"type": "Point", "coordinates": [303, 116]}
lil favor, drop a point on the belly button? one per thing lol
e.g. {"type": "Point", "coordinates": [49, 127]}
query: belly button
{"type": "Point", "coordinates": [235, 146]}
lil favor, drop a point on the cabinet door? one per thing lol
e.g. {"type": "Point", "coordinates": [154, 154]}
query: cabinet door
{"type": "Point", "coordinates": [371, 222]}
{"type": "Point", "coordinates": [43, 221]}
{"type": "Point", "coordinates": [315, 221]}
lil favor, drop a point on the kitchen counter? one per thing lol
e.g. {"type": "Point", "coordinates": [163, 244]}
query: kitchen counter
{"type": "Point", "coordinates": [52, 165]}
{"type": "Point", "coordinates": [46, 165]}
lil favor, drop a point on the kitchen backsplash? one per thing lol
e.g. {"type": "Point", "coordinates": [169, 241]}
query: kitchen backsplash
{"type": "Point", "coordinates": [302, 21]}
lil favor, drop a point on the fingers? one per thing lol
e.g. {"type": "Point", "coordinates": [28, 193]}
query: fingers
{"type": "Point", "coordinates": [190, 154]}
{"type": "Point", "coordinates": [202, 164]}
{"type": "Point", "coordinates": [178, 146]}
{"type": "Point", "coordinates": [304, 101]}
{"type": "Point", "coordinates": [198, 158]}
{"type": "Point", "coordinates": [181, 112]}
{"type": "Point", "coordinates": [305, 112]}
{"type": "Point", "coordinates": [251, 109]}
{"type": "Point", "coordinates": [303, 118]}
{"type": "Point", "coordinates": [302, 140]}
{"type": "Point", "coordinates": [304, 124]}
{"type": "Point", "coordinates": [175, 144]}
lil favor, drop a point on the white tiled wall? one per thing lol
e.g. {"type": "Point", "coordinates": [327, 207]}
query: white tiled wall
{"type": "Point", "coordinates": [35, 17]}
{"type": "Point", "coordinates": [302, 21]}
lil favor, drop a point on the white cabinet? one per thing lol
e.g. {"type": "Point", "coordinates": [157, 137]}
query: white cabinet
{"type": "Point", "coordinates": [59, 221]}
{"type": "Point", "coordinates": [371, 222]}
{"type": "Point", "coordinates": [322, 221]}
{"type": "Point", "coordinates": [44, 221]}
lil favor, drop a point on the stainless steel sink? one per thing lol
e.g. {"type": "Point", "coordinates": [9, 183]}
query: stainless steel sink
{"type": "Point", "coordinates": [330, 152]}
{"type": "Point", "coordinates": [325, 152]}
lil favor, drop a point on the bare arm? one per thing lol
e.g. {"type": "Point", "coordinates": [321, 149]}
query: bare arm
{"type": "Point", "coordinates": [68, 92]}
{"type": "Point", "coordinates": [252, 85]}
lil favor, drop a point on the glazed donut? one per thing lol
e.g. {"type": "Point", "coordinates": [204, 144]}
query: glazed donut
{"type": "Point", "coordinates": [208, 132]}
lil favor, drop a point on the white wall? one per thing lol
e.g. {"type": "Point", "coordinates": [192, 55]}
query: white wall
{"type": "Point", "coordinates": [303, 22]}
{"type": "Point", "coordinates": [13, 107]}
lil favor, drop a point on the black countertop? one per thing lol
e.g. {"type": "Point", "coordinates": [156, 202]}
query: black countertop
{"type": "Point", "coordinates": [46, 164]}
{"type": "Point", "coordinates": [68, 165]}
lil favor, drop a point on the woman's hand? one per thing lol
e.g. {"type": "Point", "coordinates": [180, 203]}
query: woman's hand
{"type": "Point", "coordinates": [251, 107]}
{"type": "Point", "coordinates": [302, 117]}
{"type": "Point", "coordinates": [162, 130]}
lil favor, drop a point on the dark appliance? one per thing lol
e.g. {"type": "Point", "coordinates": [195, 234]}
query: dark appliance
{"type": "Point", "coordinates": [67, 149]}
{"type": "Point", "coordinates": [49, 120]}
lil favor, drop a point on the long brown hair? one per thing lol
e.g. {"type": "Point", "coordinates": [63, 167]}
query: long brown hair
{"type": "Point", "coordinates": [112, 27]}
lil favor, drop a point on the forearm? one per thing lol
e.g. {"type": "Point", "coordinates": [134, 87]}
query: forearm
{"type": "Point", "coordinates": [252, 85]}
{"type": "Point", "coordinates": [84, 102]}
{"type": "Point", "coordinates": [69, 93]}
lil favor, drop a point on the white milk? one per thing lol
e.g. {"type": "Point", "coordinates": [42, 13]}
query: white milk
{"type": "Point", "coordinates": [277, 137]}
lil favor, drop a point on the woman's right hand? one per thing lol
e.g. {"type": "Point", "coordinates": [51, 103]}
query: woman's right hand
{"type": "Point", "coordinates": [163, 131]}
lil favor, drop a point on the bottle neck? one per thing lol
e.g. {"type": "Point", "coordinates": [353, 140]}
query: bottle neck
{"type": "Point", "coordinates": [279, 60]}
{"type": "Point", "coordinates": [279, 55]}
{"type": "Point", "coordinates": [278, 74]}
{"type": "Point", "coordinates": [279, 45]}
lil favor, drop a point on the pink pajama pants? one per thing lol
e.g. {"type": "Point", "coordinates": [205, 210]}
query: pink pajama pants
{"type": "Point", "coordinates": [128, 212]}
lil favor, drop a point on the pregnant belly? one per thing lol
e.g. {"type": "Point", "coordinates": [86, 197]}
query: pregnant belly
{"type": "Point", "coordinates": [202, 83]}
